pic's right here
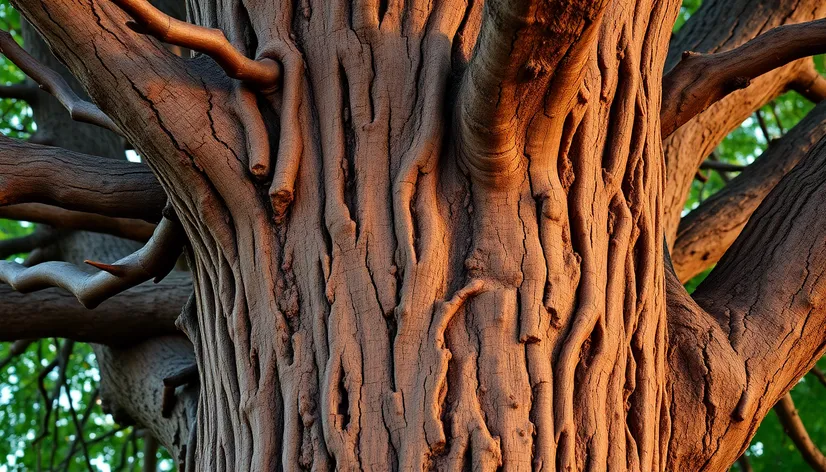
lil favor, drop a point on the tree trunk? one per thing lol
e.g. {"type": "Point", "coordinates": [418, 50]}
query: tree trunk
{"type": "Point", "coordinates": [440, 242]}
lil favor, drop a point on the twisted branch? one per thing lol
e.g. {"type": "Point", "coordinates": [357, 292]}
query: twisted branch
{"type": "Point", "coordinates": [263, 73]}
{"type": "Point", "coordinates": [51, 82]}
{"type": "Point", "coordinates": [155, 260]}
{"type": "Point", "coordinates": [702, 79]}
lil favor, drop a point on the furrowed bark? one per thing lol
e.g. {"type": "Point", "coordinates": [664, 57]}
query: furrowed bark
{"type": "Point", "coordinates": [145, 311]}
{"type": "Point", "coordinates": [707, 232]}
{"type": "Point", "coordinates": [31, 173]}
{"type": "Point", "coordinates": [721, 26]}
{"type": "Point", "coordinates": [762, 325]}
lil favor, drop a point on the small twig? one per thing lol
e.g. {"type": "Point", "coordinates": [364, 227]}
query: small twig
{"type": "Point", "coordinates": [264, 73]}
{"type": "Point", "coordinates": [129, 228]}
{"type": "Point", "coordinates": [701, 177]}
{"type": "Point", "coordinates": [78, 429]}
{"type": "Point", "coordinates": [819, 375]}
{"type": "Point", "coordinates": [186, 376]}
{"type": "Point", "coordinates": [773, 107]}
{"type": "Point", "coordinates": [762, 122]}
{"type": "Point", "coordinates": [51, 82]}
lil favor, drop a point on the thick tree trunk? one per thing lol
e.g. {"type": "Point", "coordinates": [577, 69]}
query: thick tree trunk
{"type": "Point", "coordinates": [439, 244]}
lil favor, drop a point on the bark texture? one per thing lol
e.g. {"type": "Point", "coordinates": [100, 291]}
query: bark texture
{"type": "Point", "coordinates": [437, 243]}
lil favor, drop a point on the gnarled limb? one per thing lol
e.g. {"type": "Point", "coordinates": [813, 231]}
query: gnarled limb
{"type": "Point", "coordinates": [136, 230]}
{"type": "Point", "coordinates": [757, 325]}
{"type": "Point", "coordinates": [264, 73]}
{"type": "Point", "coordinates": [721, 25]}
{"type": "Point", "coordinates": [708, 230]}
{"type": "Point", "coordinates": [144, 311]}
{"type": "Point", "coordinates": [702, 79]}
{"type": "Point", "coordinates": [155, 260]}
{"type": "Point", "coordinates": [796, 430]}
{"type": "Point", "coordinates": [30, 173]}
{"type": "Point", "coordinates": [53, 83]}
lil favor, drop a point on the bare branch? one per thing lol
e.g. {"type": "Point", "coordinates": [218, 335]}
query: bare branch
{"type": "Point", "coordinates": [145, 311]}
{"type": "Point", "coordinates": [263, 73]}
{"type": "Point", "coordinates": [796, 430]}
{"type": "Point", "coordinates": [136, 230]}
{"type": "Point", "coordinates": [53, 83]}
{"type": "Point", "coordinates": [708, 230]}
{"type": "Point", "coordinates": [702, 79]}
{"type": "Point", "coordinates": [155, 260]}
{"type": "Point", "coordinates": [30, 173]}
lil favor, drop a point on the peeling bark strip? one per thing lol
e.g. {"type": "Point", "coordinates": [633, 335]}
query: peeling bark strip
{"type": "Point", "coordinates": [439, 245]}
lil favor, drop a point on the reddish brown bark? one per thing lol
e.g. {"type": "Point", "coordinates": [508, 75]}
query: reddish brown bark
{"type": "Point", "coordinates": [439, 243]}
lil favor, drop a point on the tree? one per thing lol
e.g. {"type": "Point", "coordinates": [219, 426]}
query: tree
{"type": "Point", "coordinates": [429, 234]}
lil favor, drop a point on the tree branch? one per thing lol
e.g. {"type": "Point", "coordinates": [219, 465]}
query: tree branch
{"type": "Point", "coordinates": [30, 173]}
{"type": "Point", "coordinates": [19, 92]}
{"type": "Point", "coordinates": [810, 84]}
{"type": "Point", "coordinates": [264, 73]}
{"type": "Point", "coordinates": [755, 325]}
{"type": "Point", "coordinates": [145, 311]}
{"type": "Point", "coordinates": [702, 79]}
{"type": "Point", "coordinates": [136, 230]}
{"type": "Point", "coordinates": [721, 25]}
{"type": "Point", "coordinates": [42, 236]}
{"type": "Point", "coordinates": [53, 83]}
{"type": "Point", "coordinates": [796, 430]}
{"type": "Point", "coordinates": [708, 230]}
{"type": "Point", "coordinates": [155, 260]}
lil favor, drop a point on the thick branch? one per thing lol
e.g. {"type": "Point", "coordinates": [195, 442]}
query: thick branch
{"type": "Point", "coordinates": [721, 25]}
{"type": "Point", "coordinates": [145, 311]}
{"type": "Point", "coordinates": [155, 260]}
{"type": "Point", "coordinates": [136, 230]}
{"type": "Point", "coordinates": [263, 73]}
{"type": "Point", "coordinates": [702, 79]}
{"type": "Point", "coordinates": [796, 430]}
{"type": "Point", "coordinates": [31, 173]}
{"type": "Point", "coordinates": [53, 83]}
{"type": "Point", "coordinates": [708, 231]}
{"type": "Point", "coordinates": [757, 326]}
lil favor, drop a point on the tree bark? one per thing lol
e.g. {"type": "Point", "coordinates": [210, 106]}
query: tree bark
{"type": "Point", "coordinates": [438, 243]}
